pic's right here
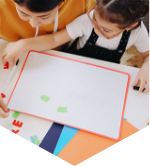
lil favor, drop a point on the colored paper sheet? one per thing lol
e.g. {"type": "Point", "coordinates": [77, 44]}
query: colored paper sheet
{"type": "Point", "coordinates": [51, 138]}
{"type": "Point", "coordinates": [66, 135]}
{"type": "Point", "coordinates": [84, 145]}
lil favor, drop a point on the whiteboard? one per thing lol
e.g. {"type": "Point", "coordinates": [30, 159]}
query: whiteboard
{"type": "Point", "coordinates": [73, 93]}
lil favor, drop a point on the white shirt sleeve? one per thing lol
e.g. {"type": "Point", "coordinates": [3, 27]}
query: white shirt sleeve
{"type": "Point", "coordinates": [142, 41]}
{"type": "Point", "coordinates": [77, 28]}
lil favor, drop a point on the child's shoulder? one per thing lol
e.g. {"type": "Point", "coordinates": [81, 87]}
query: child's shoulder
{"type": "Point", "coordinates": [81, 21]}
{"type": "Point", "coordinates": [140, 30]}
{"type": "Point", "coordinates": [139, 37]}
{"type": "Point", "coordinates": [84, 18]}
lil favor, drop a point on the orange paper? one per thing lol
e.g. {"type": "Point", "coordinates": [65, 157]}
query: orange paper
{"type": "Point", "coordinates": [84, 145]}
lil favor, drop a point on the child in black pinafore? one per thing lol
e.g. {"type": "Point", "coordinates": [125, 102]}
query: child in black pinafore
{"type": "Point", "coordinates": [92, 47]}
{"type": "Point", "coordinates": [104, 32]}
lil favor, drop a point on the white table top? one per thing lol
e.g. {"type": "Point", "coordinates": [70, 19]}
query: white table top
{"type": "Point", "coordinates": [136, 109]}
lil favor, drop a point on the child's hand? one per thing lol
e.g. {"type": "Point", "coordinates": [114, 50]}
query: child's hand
{"type": "Point", "coordinates": [4, 112]}
{"type": "Point", "coordinates": [143, 77]}
{"type": "Point", "coordinates": [13, 50]}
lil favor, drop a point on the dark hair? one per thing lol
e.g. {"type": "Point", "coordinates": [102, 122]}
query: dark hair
{"type": "Point", "coordinates": [39, 5]}
{"type": "Point", "coordinates": [123, 12]}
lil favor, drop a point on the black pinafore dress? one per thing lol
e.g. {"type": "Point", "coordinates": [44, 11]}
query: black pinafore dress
{"type": "Point", "coordinates": [97, 52]}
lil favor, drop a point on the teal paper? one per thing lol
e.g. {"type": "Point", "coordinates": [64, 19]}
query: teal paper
{"type": "Point", "coordinates": [66, 135]}
{"type": "Point", "coordinates": [32, 140]}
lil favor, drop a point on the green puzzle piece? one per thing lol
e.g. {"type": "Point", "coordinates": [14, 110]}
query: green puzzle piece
{"type": "Point", "coordinates": [36, 141]}
{"type": "Point", "coordinates": [16, 115]}
{"type": "Point", "coordinates": [62, 109]}
{"type": "Point", "coordinates": [45, 98]}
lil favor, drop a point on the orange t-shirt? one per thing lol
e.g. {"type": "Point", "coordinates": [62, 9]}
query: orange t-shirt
{"type": "Point", "coordinates": [12, 28]}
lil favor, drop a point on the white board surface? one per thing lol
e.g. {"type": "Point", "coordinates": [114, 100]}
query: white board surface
{"type": "Point", "coordinates": [93, 98]}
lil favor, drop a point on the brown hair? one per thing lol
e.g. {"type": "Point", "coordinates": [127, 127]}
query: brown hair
{"type": "Point", "coordinates": [123, 12]}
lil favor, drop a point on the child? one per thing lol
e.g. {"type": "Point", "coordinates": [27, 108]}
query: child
{"type": "Point", "coordinates": [105, 32]}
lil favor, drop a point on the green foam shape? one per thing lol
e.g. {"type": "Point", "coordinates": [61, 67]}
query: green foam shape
{"type": "Point", "coordinates": [62, 109]}
{"type": "Point", "coordinates": [16, 115]}
{"type": "Point", "coordinates": [36, 141]}
{"type": "Point", "coordinates": [45, 98]}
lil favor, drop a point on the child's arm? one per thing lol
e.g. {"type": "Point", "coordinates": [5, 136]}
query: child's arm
{"type": "Point", "coordinates": [48, 41]}
{"type": "Point", "coordinates": [143, 74]}
{"type": "Point", "coordinates": [45, 42]}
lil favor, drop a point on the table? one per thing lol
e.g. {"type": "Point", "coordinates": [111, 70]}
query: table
{"type": "Point", "coordinates": [136, 109]}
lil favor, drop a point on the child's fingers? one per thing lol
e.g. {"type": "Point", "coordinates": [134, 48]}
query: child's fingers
{"type": "Point", "coordinates": [6, 58]}
{"type": "Point", "coordinates": [4, 114]}
{"type": "Point", "coordinates": [147, 87]}
{"type": "Point", "coordinates": [3, 59]}
{"type": "Point", "coordinates": [2, 105]}
{"type": "Point", "coordinates": [135, 82]}
{"type": "Point", "coordinates": [142, 86]}
{"type": "Point", "coordinates": [3, 55]}
{"type": "Point", "coordinates": [4, 50]}
{"type": "Point", "coordinates": [4, 62]}
{"type": "Point", "coordinates": [14, 61]}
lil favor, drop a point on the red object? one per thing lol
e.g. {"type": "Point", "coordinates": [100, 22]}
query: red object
{"type": "Point", "coordinates": [3, 96]}
{"type": "Point", "coordinates": [6, 66]}
{"type": "Point", "coordinates": [18, 124]}
{"type": "Point", "coordinates": [15, 131]}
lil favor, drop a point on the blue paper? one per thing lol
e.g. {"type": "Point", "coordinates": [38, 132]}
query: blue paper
{"type": "Point", "coordinates": [50, 140]}
{"type": "Point", "coordinates": [66, 135]}
{"type": "Point", "coordinates": [125, 119]}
